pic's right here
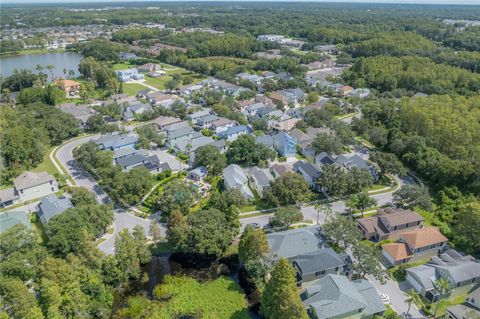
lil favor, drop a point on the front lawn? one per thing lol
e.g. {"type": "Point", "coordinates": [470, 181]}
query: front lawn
{"type": "Point", "coordinates": [184, 296]}
{"type": "Point", "coordinates": [132, 88]}
{"type": "Point", "coordinates": [47, 165]}
{"type": "Point", "coordinates": [159, 82]}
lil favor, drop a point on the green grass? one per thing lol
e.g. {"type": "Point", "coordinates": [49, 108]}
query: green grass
{"type": "Point", "coordinates": [220, 298]}
{"type": "Point", "coordinates": [445, 303]}
{"type": "Point", "coordinates": [375, 187]}
{"type": "Point", "coordinates": [159, 82]}
{"type": "Point", "coordinates": [398, 272]}
{"type": "Point", "coordinates": [253, 215]}
{"type": "Point", "coordinates": [47, 165]}
{"type": "Point", "coordinates": [132, 88]}
{"type": "Point", "coordinates": [124, 65]}
{"type": "Point", "coordinates": [32, 51]}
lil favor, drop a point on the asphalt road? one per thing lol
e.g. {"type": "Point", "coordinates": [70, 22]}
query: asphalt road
{"type": "Point", "coordinates": [122, 218]}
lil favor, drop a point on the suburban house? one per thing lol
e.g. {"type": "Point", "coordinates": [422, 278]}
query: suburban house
{"type": "Point", "coordinates": [116, 141]}
{"type": "Point", "coordinates": [221, 145]}
{"type": "Point", "coordinates": [388, 222]}
{"type": "Point", "coordinates": [196, 115]}
{"type": "Point", "coordinates": [335, 296]}
{"type": "Point", "coordinates": [189, 146]}
{"type": "Point", "coordinates": [150, 162]}
{"type": "Point", "coordinates": [329, 49]}
{"type": "Point", "coordinates": [278, 98]}
{"type": "Point", "coordinates": [318, 65]}
{"type": "Point", "coordinates": [51, 206]}
{"type": "Point", "coordinates": [309, 172]}
{"type": "Point", "coordinates": [127, 56]}
{"type": "Point", "coordinates": [176, 136]}
{"type": "Point", "coordinates": [279, 170]}
{"type": "Point", "coordinates": [319, 263]}
{"type": "Point", "coordinates": [221, 125]}
{"type": "Point", "coordinates": [163, 121]}
{"type": "Point", "coordinates": [207, 120]}
{"type": "Point", "coordinates": [128, 75]}
{"type": "Point", "coordinates": [234, 132]}
{"type": "Point", "coordinates": [160, 99]}
{"type": "Point", "coordinates": [462, 273]}
{"type": "Point", "coordinates": [198, 173]}
{"type": "Point", "coordinates": [285, 144]}
{"type": "Point", "coordinates": [234, 177]}
{"type": "Point", "coordinates": [149, 67]}
{"type": "Point", "coordinates": [261, 178]}
{"type": "Point", "coordinates": [187, 90]}
{"type": "Point", "coordinates": [12, 218]}
{"type": "Point", "coordinates": [285, 123]}
{"type": "Point", "coordinates": [250, 77]}
{"type": "Point", "coordinates": [80, 112]}
{"type": "Point", "coordinates": [28, 186]}
{"type": "Point", "coordinates": [356, 161]}
{"type": "Point", "coordinates": [70, 87]}
{"type": "Point", "coordinates": [123, 152]}
{"type": "Point", "coordinates": [292, 243]}
{"type": "Point", "coordinates": [469, 309]}
{"type": "Point", "coordinates": [362, 93]}
{"type": "Point", "coordinates": [414, 245]}
{"type": "Point", "coordinates": [135, 108]}
{"type": "Point", "coordinates": [252, 109]}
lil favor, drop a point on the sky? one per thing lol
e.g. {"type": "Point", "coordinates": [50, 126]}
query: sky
{"type": "Point", "coordinates": [470, 2]}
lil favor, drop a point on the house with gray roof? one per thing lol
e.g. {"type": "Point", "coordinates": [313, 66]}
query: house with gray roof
{"type": "Point", "coordinates": [261, 178]}
{"type": "Point", "coordinates": [163, 121]}
{"type": "Point", "coordinates": [141, 159]}
{"type": "Point", "coordinates": [468, 310]}
{"type": "Point", "coordinates": [189, 146]}
{"type": "Point", "coordinates": [285, 144]}
{"type": "Point", "coordinates": [294, 242]}
{"type": "Point", "coordinates": [320, 263]}
{"type": "Point", "coordinates": [28, 186]}
{"type": "Point", "coordinates": [335, 296]}
{"type": "Point", "coordinates": [462, 272]}
{"type": "Point", "coordinates": [196, 115]}
{"type": "Point", "coordinates": [356, 161]}
{"type": "Point", "coordinates": [122, 152]}
{"type": "Point", "coordinates": [234, 177]}
{"type": "Point", "coordinates": [51, 206]}
{"type": "Point", "coordinates": [310, 173]}
{"type": "Point", "coordinates": [234, 132]}
{"type": "Point", "coordinates": [135, 108]}
{"type": "Point", "coordinates": [198, 173]}
{"type": "Point", "coordinates": [178, 136]}
{"type": "Point", "coordinates": [79, 112]}
{"type": "Point", "coordinates": [207, 120]}
{"type": "Point", "coordinates": [116, 141]}
{"type": "Point", "coordinates": [12, 218]}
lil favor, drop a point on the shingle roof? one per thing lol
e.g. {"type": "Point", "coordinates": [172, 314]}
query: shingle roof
{"type": "Point", "coordinates": [180, 132]}
{"type": "Point", "coordinates": [334, 296]}
{"type": "Point", "coordinates": [30, 179]}
{"type": "Point", "coordinates": [294, 242]}
{"type": "Point", "coordinates": [323, 259]}
{"type": "Point", "coordinates": [400, 217]}
{"type": "Point", "coordinates": [116, 140]}
{"type": "Point", "coordinates": [131, 160]}
{"type": "Point", "coordinates": [423, 237]}
{"type": "Point", "coordinates": [234, 177]}
{"type": "Point", "coordinates": [398, 251]}
{"type": "Point", "coordinates": [234, 130]}
{"type": "Point", "coordinates": [51, 206]}
{"type": "Point", "coordinates": [261, 177]}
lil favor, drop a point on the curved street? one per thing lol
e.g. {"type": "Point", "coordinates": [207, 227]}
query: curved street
{"type": "Point", "coordinates": [122, 218]}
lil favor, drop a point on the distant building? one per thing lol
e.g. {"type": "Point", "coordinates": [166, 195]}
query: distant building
{"type": "Point", "coordinates": [70, 87]}
{"type": "Point", "coordinates": [127, 56]}
{"type": "Point", "coordinates": [129, 74]}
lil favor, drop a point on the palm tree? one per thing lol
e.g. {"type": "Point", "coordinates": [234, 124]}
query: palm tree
{"type": "Point", "coordinates": [50, 68]}
{"type": "Point", "coordinates": [361, 202]}
{"type": "Point", "coordinates": [411, 297]}
{"type": "Point", "coordinates": [442, 286]}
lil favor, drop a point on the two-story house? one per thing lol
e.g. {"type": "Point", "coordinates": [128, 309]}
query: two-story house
{"type": "Point", "coordinates": [388, 222]}
{"type": "Point", "coordinates": [285, 144]}
{"type": "Point", "coordinates": [414, 245]}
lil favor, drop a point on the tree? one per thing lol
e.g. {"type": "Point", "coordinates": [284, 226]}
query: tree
{"type": "Point", "coordinates": [329, 144]}
{"type": "Point", "coordinates": [126, 256]}
{"type": "Point", "coordinates": [280, 299]}
{"type": "Point", "coordinates": [388, 163]}
{"type": "Point", "coordinates": [338, 182]}
{"type": "Point", "coordinates": [177, 195]}
{"type": "Point", "coordinates": [326, 208]}
{"type": "Point", "coordinates": [154, 230]}
{"type": "Point", "coordinates": [361, 202]}
{"type": "Point", "coordinates": [204, 233]}
{"type": "Point", "coordinates": [210, 157]}
{"type": "Point", "coordinates": [81, 196]}
{"type": "Point", "coordinates": [466, 227]}
{"type": "Point", "coordinates": [312, 97]}
{"type": "Point", "coordinates": [171, 84]}
{"type": "Point", "coordinates": [253, 245]}
{"type": "Point", "coordinates": [143, 252]}
{"type": "Point", "coordinates": [286, 216]}
{"type": "Point", "coordinates": [246, 152]}
{"type": "Point", "coordinates": [367, 261]}
{"type": "Point", "coordinates": [289, 189]}
{"type": "Point", "coordinates": [443, 287]}
{"type": "Point", "coordinates": [340, 231]}
{"type": "Point", "coordinates": [410, 196]}
{"type": "Point", "coordinates": [17, 301]}
{"type": "Point", "coordinates": [412, 295]}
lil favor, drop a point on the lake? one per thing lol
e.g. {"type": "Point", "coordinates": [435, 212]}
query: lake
{"type": "Point", "coordinates": [60, 61]}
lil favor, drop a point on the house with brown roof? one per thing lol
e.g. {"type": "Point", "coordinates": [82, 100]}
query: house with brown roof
{"type": "Point", "coordinates": [70, 87]}
{"type": "Point", "coordinates": [414, 245]}
{"type": "Point", "coordinates": [278, 98]}
{"type": "Point", "coordinates": [163, 121]}
{"type": "Point", "coordinates": [388, 222]}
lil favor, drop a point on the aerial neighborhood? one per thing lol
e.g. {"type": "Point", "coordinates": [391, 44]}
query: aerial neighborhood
{"type": "Point", "coordinates": [239, 161]}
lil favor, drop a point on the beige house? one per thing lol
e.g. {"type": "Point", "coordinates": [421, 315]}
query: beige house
{"type": "Point", "coordinates": [28, 186]}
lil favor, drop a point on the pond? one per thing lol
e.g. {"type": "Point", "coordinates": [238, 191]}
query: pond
{"type": "Point", "coordinates": [60, 60]}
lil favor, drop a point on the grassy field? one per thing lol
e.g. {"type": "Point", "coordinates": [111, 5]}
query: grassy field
{"type": "Point", "coordinates": [32, 51]}
{"type": "Point", "coordinates": [159, 82]}
{"type": "Point", "coordinates": [132, 88]}
{"type": "Point", "coordinates": [47, 165]}
{"type": "Point", "coordinates": [220, 298]}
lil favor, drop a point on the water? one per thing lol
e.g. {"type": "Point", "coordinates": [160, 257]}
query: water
{"type": "Point", "coordinates": [60, 61]}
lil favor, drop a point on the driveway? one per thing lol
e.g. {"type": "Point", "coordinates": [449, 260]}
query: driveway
{"type": "Point", "coordinates": [122, 218]}
{"type": "Point", "coordinates": [396, 292]}
{"type": "Point", "coordinates": [174, 163]}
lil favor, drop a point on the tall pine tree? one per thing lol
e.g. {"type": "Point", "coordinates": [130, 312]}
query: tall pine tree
{"type": "Point", "coordinates": [280, 299]}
